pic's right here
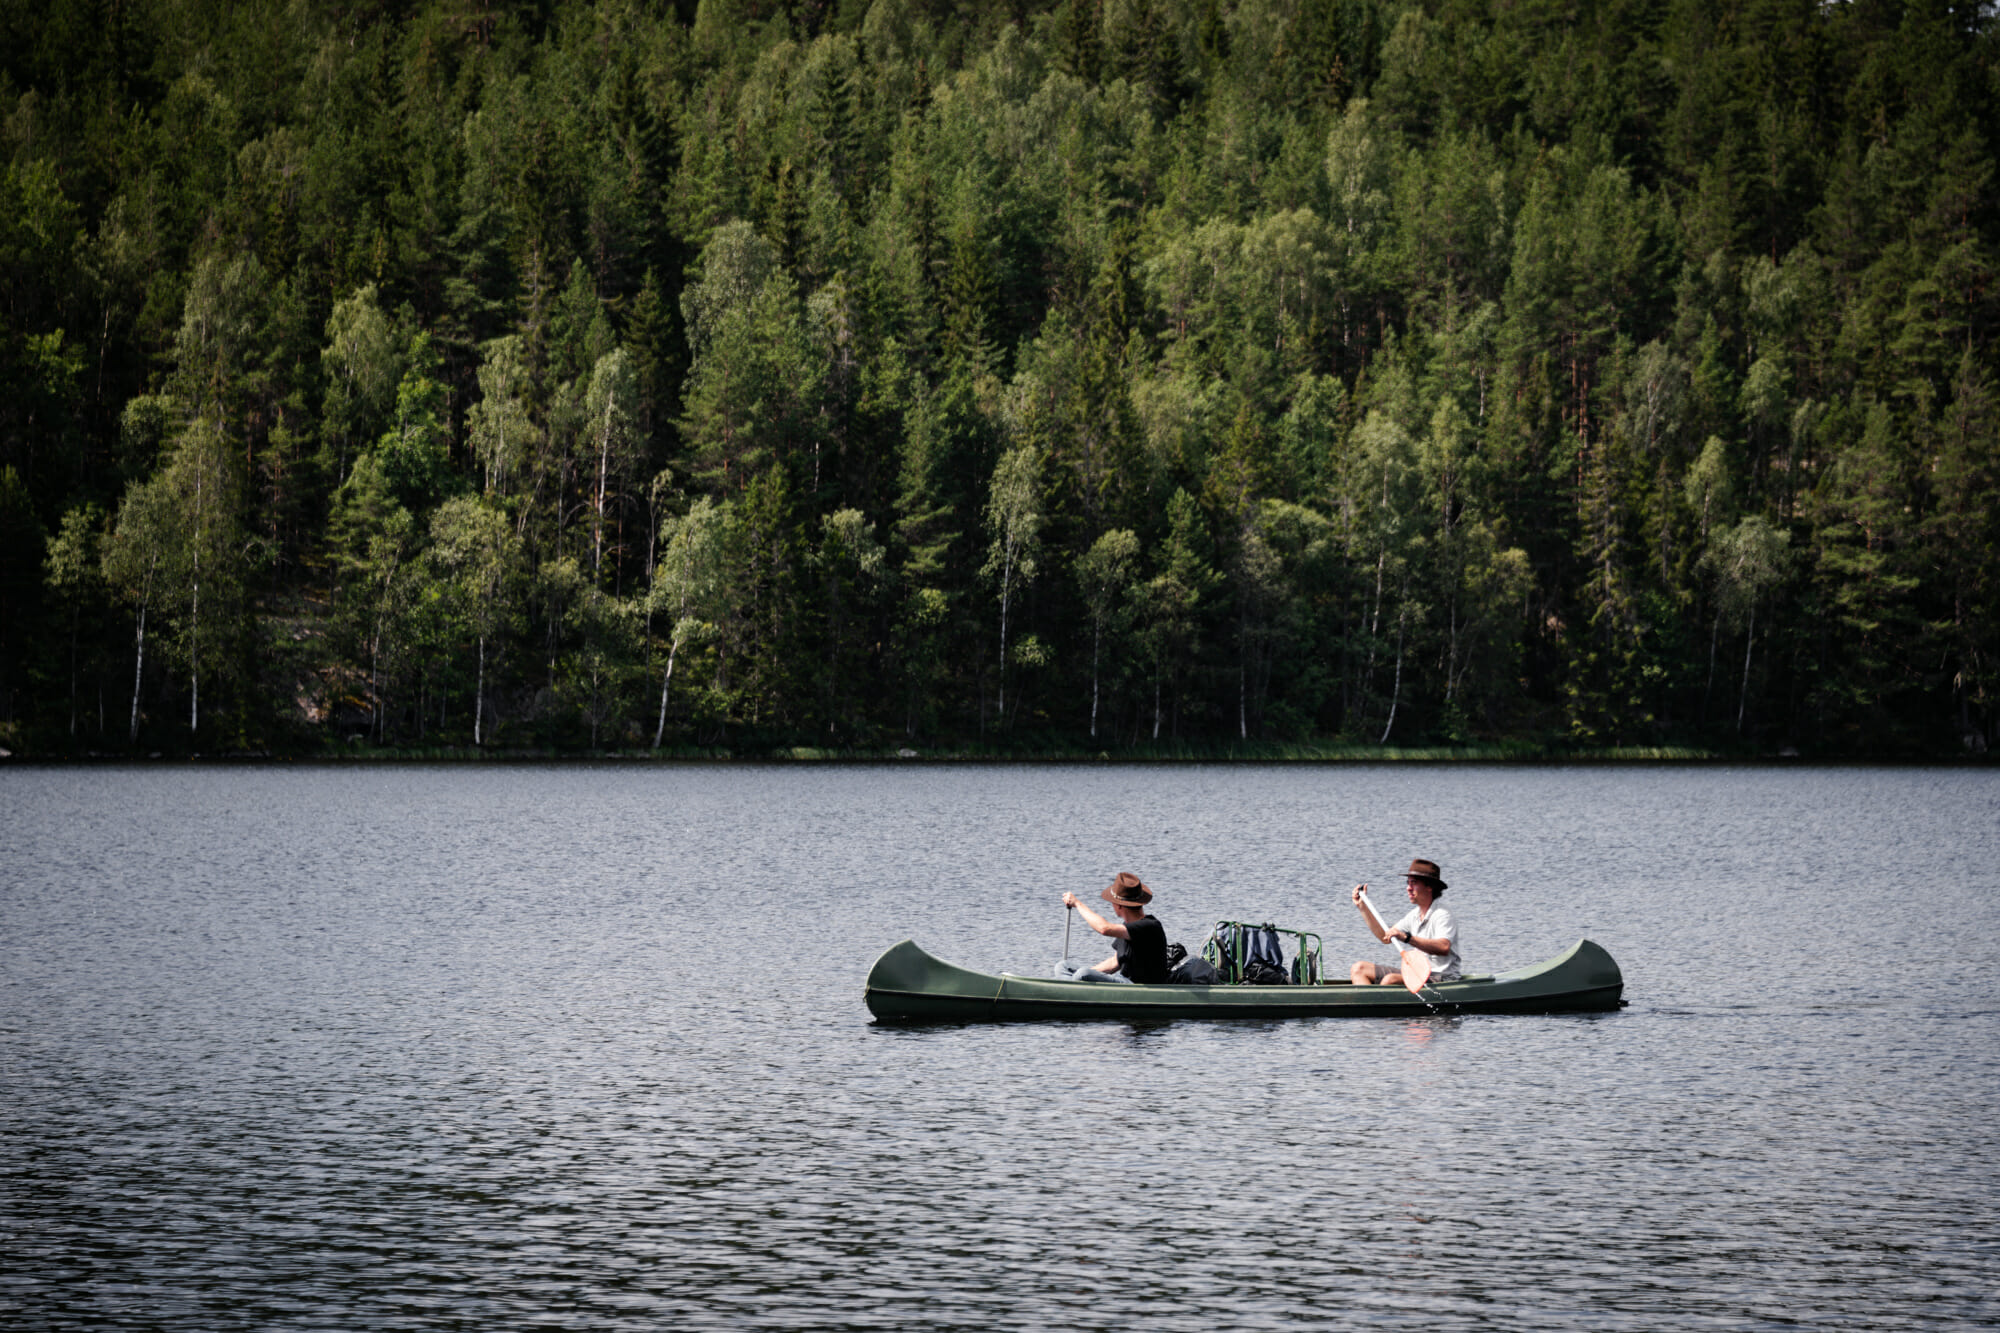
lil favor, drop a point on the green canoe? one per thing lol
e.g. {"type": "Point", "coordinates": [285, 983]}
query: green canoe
{"type": "Point", "coordinates": [907, 985]}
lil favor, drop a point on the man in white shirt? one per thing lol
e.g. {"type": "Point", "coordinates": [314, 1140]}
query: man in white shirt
{"type": "Point", "coordinates": [1425, 927]}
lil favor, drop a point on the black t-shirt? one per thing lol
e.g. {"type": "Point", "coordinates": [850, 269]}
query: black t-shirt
{"type": "Point", "coordinates": [1143, 956]}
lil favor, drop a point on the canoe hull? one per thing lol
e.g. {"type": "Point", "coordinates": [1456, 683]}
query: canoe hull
{"type": "Point", "coordinates": [908, 985]}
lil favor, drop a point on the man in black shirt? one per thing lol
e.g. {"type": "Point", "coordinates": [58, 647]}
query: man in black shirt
{"type": "Point", "coordinates": [1138, 941]}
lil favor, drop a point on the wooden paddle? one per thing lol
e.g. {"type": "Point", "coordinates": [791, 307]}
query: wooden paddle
{"type": "Point", "coordinates": [1416, 963]}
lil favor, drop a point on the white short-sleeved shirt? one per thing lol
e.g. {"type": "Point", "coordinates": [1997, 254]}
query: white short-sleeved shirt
{"type": "Point", "coordinates": [1438, 925]}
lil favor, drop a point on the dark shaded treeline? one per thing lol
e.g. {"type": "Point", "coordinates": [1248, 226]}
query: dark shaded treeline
{"type": "Point", "coordinates": [616, 375]}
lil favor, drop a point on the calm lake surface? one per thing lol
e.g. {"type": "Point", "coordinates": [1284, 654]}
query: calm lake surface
{"type": "Point", "coordinates": [584, 1047]}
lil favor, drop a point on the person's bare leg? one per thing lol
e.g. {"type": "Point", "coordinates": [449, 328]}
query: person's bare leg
{"type": "Point", "coordinates": [1362, 974]}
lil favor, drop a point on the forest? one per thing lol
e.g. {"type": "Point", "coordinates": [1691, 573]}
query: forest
{"type": "Point", "coordinates": [1135, 377]}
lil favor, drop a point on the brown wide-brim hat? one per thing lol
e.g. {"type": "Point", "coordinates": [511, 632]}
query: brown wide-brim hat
{"type": "Point", "coordinates": [1426, 871]}
{"type": "Point", "coordinates": [1127, 889]}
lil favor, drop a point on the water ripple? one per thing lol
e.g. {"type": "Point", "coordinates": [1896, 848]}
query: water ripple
{"type": "Point", "coordinates": [583, 1048]}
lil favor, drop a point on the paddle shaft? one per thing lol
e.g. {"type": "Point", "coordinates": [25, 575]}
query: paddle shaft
{"type": "Point", "coordinates": [1069, 915]}
{"type": "Point", "coordinates": [1406, 949]}
{"type": "Point", "coordinates": [1376, 917]}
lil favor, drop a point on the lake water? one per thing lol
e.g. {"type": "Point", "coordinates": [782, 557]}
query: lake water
{"type": "Point", "coordinates": [584, 1047]}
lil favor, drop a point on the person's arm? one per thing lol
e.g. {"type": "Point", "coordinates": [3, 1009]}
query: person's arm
{"type": "Point", "coordinates": [1367, 917]}
{"type": "Point", "coordinates": [1115, 929]}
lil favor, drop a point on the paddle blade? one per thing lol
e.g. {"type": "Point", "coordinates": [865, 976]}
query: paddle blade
{"type": "Point", "coordinates": [1416, 969]}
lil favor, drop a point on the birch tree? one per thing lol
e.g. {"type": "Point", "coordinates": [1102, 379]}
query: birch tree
{"type": "Point", "coordinates": [1710, 492]}
{"type": "Point", "coordinates": [138, 562]}
{"type": "Point", "coordinates": [478, 549]}
{"type": "Point", "coordinates": [179, 548]}
{"type": "Point", "coordinates": [850, 562]}
{"type": "Point", "coordinates": [1102, 573]}
{"type": "Point", "coordinates": [612, 436]}
{"type": "Point", "coordinates": [1014, 517]}
{"type": "Point", "coordinates": [375, 538]}
{"type": "Point", "coordinates": [413, 454]}
{"type": "Point", "coordinates": [1475, 581]}
{"type": "Point", "coordinates": [503, 434]}
{"type": "Point", "coordinates": [690, 582]}
{"type": "Point", "coordinates": [361, 366]}
{"type": "Point", "coordinates": [205, 485]}
{"type": "Point", "coordinates": [74, 573]}
{"type": "Point", "coordinates": [1169, 604]}
{"type": "Point", "coordinates": [1388, 502]}
{"type": "Point", "coordinates": [1748, 560]}
{"type": "Point", "coordinates": [221, 324]}
{"type": "Point", "coordinates": [604, 659]}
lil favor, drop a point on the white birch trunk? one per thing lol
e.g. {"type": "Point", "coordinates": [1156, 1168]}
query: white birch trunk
{"type": "Point", "coordinates": [1375, 618]}
{"type": "Point", "coordinates": [1743, 695]}
{"type": "Point", "coordinates": [673, 648]}
{"type": "Point", "coordinates": [1395, 694]}
{"type": "Point", "coordinates": [1714, 639]}
{"type": "Point", "coordinates": [479, 698]}
{"type": "Point", "coordinates": [194, 653]}
{"type": "Point", "coordinates": [194, 626]}
{"type": "Point", "coordinates": [1006, 590]}
{"type": "Point", "coordinates": [138, 670]}
{"type": "Point", "coordinates": [603, 464]}
{"type": "Point", "coordinates": [1451, 648]}
{"type": "Point", "coordinates": [1096, 644]}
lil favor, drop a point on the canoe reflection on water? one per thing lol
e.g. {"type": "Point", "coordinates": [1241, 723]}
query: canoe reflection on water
{"type": "Point", "coordinates": [908, 985]}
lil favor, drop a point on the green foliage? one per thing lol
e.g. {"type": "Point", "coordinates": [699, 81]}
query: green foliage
{"type": "Point", "coordinates": [1428, 372]}
{"type": "Point", "coordinates": [691, 584]}
{"type": "Point", "coordinates": [477, 554]}
{"type": "Point", "coordinates": [1102, 574]}
{"type": "Point", "coordinates": [412, 453]}
{"type": "Point", "coordinates": [1014, 517]}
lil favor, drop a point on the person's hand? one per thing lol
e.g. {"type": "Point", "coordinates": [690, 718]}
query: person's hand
{"type": "Point", "coordinates": [1401, 936]}
{"type": "Point", "coordinates": [1069, 900]}
{"type": "Point", "coordinates": [1359, 889]}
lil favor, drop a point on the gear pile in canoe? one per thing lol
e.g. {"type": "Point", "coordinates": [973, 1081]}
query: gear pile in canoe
{"type": "Point", "coordinates": [909, 985]}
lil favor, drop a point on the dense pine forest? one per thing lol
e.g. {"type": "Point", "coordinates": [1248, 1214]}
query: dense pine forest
{"type": "Point", "coordinates": [1115, 375]}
